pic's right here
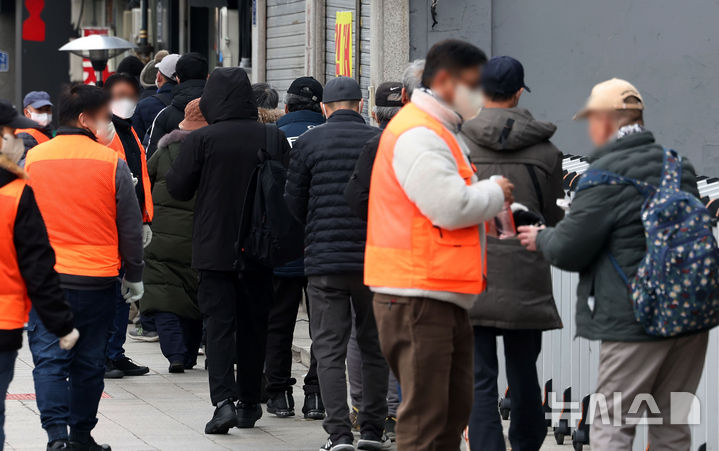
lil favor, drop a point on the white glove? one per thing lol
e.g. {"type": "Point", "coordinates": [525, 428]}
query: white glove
{"type": "Point", "coordinates": [134, 181]}
{"type": "Point", "coordinates": [146, 235]}
{"type": "Point", "coordinates": [69, 340]}
{"type": "Point", "coordinates": [132, 291]}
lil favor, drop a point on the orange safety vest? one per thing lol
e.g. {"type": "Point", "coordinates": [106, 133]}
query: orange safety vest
{"type": "Point", "coordinates": [73, 178]}
{"type": "Point", "coordinates": [404, 249]}
{"type": "Point", "coordinates": [39, 136]}
{"type": "Point", "coordinates": [116, 145]}
{"type": "Point", "coordinates": [14, 302]}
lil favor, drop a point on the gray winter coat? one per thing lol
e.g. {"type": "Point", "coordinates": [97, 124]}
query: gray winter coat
{"type": "Point", "coordinates": [606, 219]}
{"type": "Point", "coordinates": [510, 142]}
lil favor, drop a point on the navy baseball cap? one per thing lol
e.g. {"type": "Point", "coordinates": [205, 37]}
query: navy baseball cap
{"type": "Point", "coordinates": [389, 94]}
{"type": "Point", "coordinates": [36, 99]}
{"type": "Point", "coordinates": [341, 88]}
{"type": "Point", "coordinates": [503, 75]}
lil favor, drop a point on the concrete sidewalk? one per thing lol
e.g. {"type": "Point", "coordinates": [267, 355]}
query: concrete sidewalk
{"type": "Point", "coordinates": [160, 411]}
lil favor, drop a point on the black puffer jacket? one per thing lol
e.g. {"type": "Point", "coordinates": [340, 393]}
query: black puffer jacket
{"type": "Point", "coordinates": [321, 163]}
{"type": "Point", "coordinates": [169, 119]}
{"type": "Point", "coordinates": [216, 162]}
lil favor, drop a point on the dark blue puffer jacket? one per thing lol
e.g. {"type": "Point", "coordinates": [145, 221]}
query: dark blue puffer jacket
{"type": "Point", "coordinates": [321, 163]}
{"type": "Point", "coordinates": [294, 124]}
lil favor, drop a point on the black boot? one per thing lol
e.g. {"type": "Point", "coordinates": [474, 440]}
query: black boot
{"type": "Point", "coordinates": [248, 414]}
{"type": "Point", "coordinates": [89, 446]}
{"type": "Point", "coordinates": [224, 418]}
{"type": "Point", "coordinates": [313, 409]}
{"type": "Point", "coordinates": [282, 404]}
{"type": "Point", "coordinates": [58, 444]}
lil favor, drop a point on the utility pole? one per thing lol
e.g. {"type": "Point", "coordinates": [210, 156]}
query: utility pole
{"type": "Point", "coordinates": [144, 48]}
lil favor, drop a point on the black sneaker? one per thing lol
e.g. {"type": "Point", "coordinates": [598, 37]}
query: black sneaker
{"type": "Point", "coordinates": [224, 418]}
{"type": "Point", "coordinates": [89, 446]}
{"type": "Point", "coordinates": [58, 444]}
{"type": "Point", "coordinates": [340, 444]}
{"type": "Point", "coordinates": [390, 423]}
{"type": "Point", "coordinates": [281, 404]}
{"type": "Point", "coordinates": [313, 409]}
{"type": "Point", "coordinates": [248, 414]}
{"type": "Point", "coordinates": [372, 442]}
{"type": "Point", "coordinates": [112, 372]}
{"type": "Point", "coordinates": [177, 367]}
{"type": "Point", "coordinates": [129, 368]}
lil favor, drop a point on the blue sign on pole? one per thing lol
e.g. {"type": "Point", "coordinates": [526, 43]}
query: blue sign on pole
{"type": "Point", "coordinates": [4, 61]}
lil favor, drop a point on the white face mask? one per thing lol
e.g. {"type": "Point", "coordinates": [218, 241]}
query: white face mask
{"type": "Point", "coordinates": [105, 133]}
{"type": "Point", "coordinates": [123, 108]}
{"type": "Point", "coordinates": [467, 102]}
{"type": "Point", "coordinates": [12, 147]}
{"type": "Point", "coordinates": [42, 119]}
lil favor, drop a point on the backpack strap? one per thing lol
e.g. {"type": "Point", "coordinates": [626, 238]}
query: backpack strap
{"type": "Point", "coordinates": [671, 170]}
{"type": "Point", "coordinates": [596, 177]}
{"type": "Point", "coordinates": [272, 142]}
{"type": "Point", "coordinates": [537, 186]}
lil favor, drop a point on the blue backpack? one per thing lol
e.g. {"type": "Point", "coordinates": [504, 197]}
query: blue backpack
{"type": "Point", "coordinates": [675, 290]}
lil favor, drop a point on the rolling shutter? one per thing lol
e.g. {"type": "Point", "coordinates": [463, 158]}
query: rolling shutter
{"type": "Point", "coordinates": [285, 47]}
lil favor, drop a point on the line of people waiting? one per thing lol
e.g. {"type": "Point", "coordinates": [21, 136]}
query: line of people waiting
{"type": "Point", "coordinates": [405, 286]}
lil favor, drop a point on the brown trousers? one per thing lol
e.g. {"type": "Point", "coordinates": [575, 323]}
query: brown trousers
{"type": "Point", "coordinates": [428, 345]}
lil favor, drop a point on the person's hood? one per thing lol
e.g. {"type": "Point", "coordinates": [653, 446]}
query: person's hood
{"type": "Point", "coordinates": [227, 96]}
{"type": "Point", "coordinates": [174, 137]}
{"type": "Point", "coordinates": [269, 116]}
{"type": "Point", "coordinates": [507, 129]}
{"type": "Point", "coordinates": [186, 91]}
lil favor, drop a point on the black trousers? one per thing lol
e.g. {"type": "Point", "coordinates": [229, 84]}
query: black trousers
{"type": "Point", "coordinates": [180, 337]}
{"type": "Point", "coordinates": [527, 428]}
{"type": "Point", "coordinates": [236, 312]}
{"type": "Point", "coordinates": [280, 330]}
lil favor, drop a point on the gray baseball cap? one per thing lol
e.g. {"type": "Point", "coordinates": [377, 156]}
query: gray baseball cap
{"type": "Point", "coordinates": [341, 88]}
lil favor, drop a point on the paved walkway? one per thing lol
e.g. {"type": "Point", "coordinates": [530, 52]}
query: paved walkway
{"type": "Point", "coordinates": [167, 412]}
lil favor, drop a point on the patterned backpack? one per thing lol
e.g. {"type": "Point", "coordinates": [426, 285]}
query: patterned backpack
{"type": "Point", "coordinates": [675, 290]}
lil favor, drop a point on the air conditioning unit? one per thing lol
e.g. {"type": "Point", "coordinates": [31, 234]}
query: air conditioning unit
{"type": "Point", "coordinates": [131, 23]}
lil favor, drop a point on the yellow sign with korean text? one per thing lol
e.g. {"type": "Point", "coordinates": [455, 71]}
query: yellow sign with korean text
{"type": "Point", "coordinates": [343, 43]}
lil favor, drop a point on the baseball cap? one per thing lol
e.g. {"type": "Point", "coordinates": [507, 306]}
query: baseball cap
{"type": "Point", "coordinates": [388, 93]}
{"type": "Point", "coordinates": [9, 117]}
{"type": "Point", "coordinates": [167, 65]}
{"type": "Point", "coordinates": [341, 88]}
{"type": "Point", "coordinates": [306, 87]}
{"type": "Point", "coordinates": [611, 95]}
{"type": "Point", "coordinates": [36, 99]}
{"type": "Point", "coordinates": [503, 75]}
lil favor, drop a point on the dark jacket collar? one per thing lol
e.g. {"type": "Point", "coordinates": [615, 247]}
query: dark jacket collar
{"type": "Point", "coordinates": [644, 138]}
{"type": "Point", "coordinates": [121, 124]}
{"type": "Point", "coordinates": [167, 87]}
{"type": "Point", "coordinates": [75, 131]}
{"type": "Point", "coordinates": [345, 116]}
{"type": "Point", "coordinates": [301, 116]}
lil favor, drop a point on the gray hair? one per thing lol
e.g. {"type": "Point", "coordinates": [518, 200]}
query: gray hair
{"type": "Point", "coordinates": [265, 96]}
{"type": "Point", "coordinates": [385, 113]}
{"type": "Point", "coordinates": [412, 76]}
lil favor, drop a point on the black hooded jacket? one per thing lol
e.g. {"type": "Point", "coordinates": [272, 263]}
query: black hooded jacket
{"type": "Point", "coordinates": [169, 119]}
{"type": "Point", "coordinates": [216, 162]}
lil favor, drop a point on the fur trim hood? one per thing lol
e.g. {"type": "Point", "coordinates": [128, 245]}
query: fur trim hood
{"type": "Point", "coordinates": [269, 116]}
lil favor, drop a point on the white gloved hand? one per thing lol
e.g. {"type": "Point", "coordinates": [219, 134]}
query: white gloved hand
{"type": "Point", "coordinates": [146, 235]}
{"type": "Point", "coordinates": [132, 291]}
{"type": "Point", "coordinates": [69, 340]}
{"type": "Point", "coordinates": [134, 181]}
